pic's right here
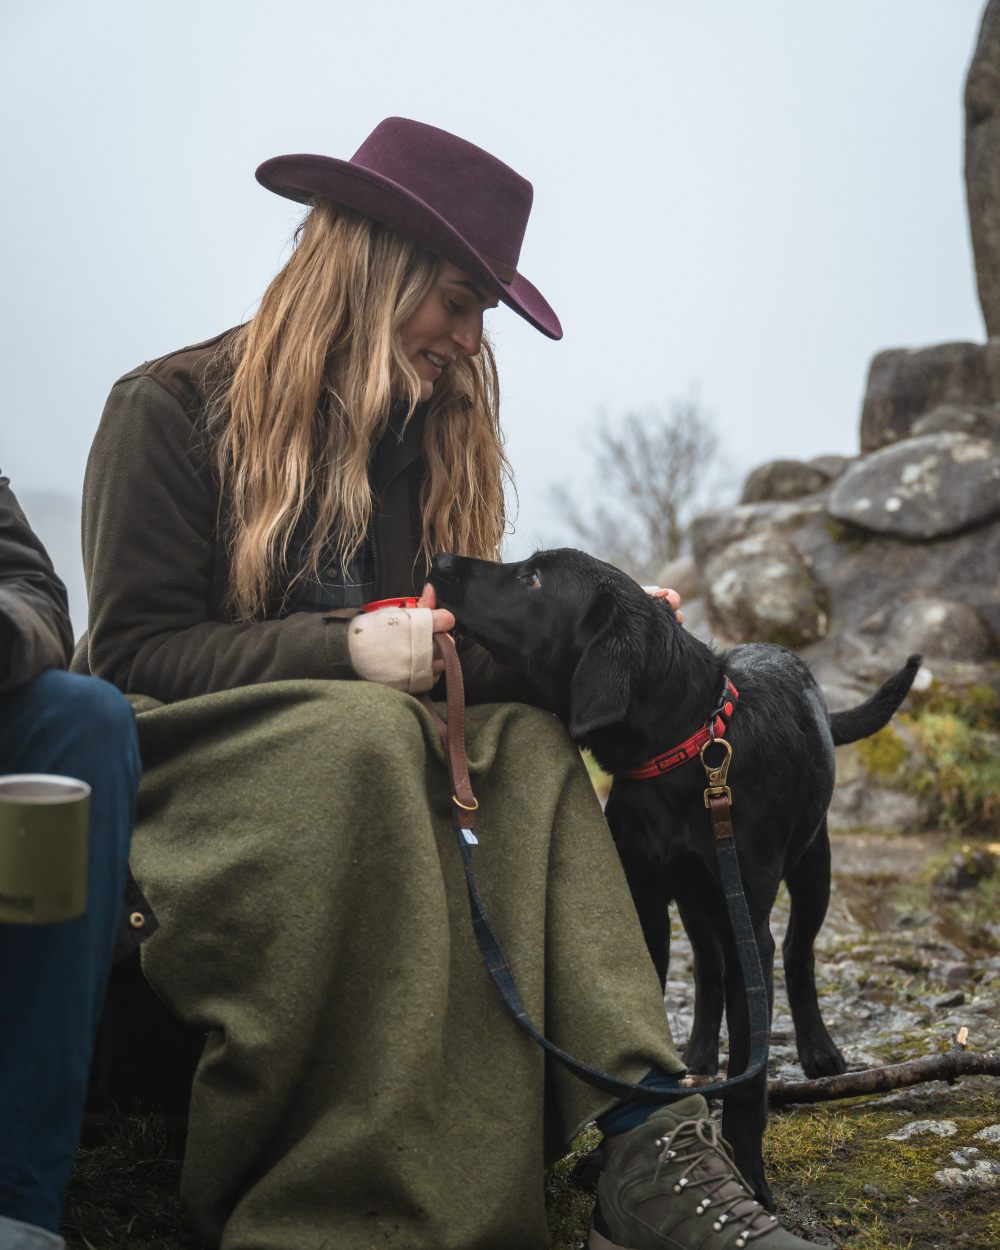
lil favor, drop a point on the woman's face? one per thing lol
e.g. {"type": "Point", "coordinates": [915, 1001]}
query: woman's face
{"type": "Point", "coordinates": [447, 322]}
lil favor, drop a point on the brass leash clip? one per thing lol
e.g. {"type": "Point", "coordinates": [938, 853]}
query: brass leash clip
{"type": "Point", "coordinates": [717, 788]}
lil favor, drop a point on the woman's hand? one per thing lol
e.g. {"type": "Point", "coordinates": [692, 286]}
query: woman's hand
{"type": "Point", "coordinates": [443, 620]}
{"type": "Point", "coordinates": [671, 596]}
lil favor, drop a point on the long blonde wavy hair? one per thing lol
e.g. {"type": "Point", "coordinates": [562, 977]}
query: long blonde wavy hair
{"type": "Point", "coordinates": [312, 378]}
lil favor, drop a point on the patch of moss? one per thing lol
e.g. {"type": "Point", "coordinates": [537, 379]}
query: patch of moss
{"type": "Point", "coordinates": [977, 704]}
{"type": "Point", "coordinates": [883, 754]}
{"type": "Point", "coordinates": [957, 770]}
{"type": "Point", "coordinates": [568, 1208]}
{"type": "Point", "coordinates": [944, 749]}
{"type": "Point", "coordinates": [875, 1194]}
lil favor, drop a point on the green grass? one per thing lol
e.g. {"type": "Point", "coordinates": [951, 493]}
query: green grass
{"type": "Point", "coordinates": [123, 1195]}
{"type": "Point", "coordinates": [834, 1174]}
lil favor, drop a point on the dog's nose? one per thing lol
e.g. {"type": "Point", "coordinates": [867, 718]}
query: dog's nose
{"type": "Point", "coordinates": [444, 562]}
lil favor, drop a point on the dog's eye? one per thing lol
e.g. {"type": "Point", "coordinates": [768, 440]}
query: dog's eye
{"type": "Point", "coordinates": [531, 579]}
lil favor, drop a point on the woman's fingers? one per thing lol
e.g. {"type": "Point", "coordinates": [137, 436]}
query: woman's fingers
{"type": "Point", "coordinates": [443, 621]}
{"type": "Point", "coordinates": [671, 596]}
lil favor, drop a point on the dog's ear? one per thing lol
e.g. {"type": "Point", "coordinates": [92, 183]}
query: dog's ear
{"type": "Point", "coordinates": [600, 685]}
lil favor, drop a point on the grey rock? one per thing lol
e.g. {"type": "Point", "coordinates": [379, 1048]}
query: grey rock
{"type": "Point", "coordinates": [964, 1157]}
{"type": "Point", "coordinates": [681, 575]}
{"type": "Point", "coordinates": [991, 1134]}
{"type": "Point", "coordinates": [977, 420]}
{"type": "Point", "coordinates": [966, 870]}
{"type": "Point", "coordinates": [984, 1174]}
{"type": "Point", "coordinates": [927, 487]}
{"type": "Point", "coordinates": [863, 804]}
{"type": "Point", "coordinates": [916, 1128]}
{"type": "Point", "coordinates": [906, 384]}
{"type": "Point", "coordinates": [865, 574]}
{"type": "Point", "coordinates": [982, 173]}
{"type": "Point", "coordinates": [782, 480]}
{"type": "Point", "coordinates": [713, 531]}
{"type": "Point", "coordinates": [831, 465]}
{"type": "Point", "coordinates": [955, 999]}
{"type": "Point", "coordinates": [762, 589]}
{"type": "Point", "coordinates": [957, 974]}
{"type": "Point", "coordinates": [696, 622]}
{"type": "Point", "coordinates": [936, 628]}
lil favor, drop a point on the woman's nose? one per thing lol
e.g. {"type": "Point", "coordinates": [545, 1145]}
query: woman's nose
{"type": "Point", "coordinates": [468, 338]}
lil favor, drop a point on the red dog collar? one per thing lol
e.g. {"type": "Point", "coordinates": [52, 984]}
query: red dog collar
{"type": "Point", "coordinates": [667, 761]}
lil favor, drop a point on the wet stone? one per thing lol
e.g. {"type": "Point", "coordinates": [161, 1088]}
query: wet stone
{"type": "Point", "coordinates": [984, 1174]}
{"type": "Point", "coordinates": [925, 487]}
{"type": "Point", "coordinates": [917, 1128]}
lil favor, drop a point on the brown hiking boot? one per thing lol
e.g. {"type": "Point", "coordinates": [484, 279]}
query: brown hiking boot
{"type": "Point", "coordinates": [671, 1184]}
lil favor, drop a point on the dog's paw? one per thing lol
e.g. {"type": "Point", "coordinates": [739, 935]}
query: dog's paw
{"type": "Point", "coordinates": [822, 1061]}
{"type": "Point", "coordinates": [701, 1059]}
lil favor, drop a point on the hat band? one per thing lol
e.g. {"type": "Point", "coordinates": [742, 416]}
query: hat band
{"type": "Point", "coordinates": [506, 273]}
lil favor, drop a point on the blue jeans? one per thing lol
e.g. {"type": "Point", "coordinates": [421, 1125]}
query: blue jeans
{"type": "Point", "coordinates": [53, 977]}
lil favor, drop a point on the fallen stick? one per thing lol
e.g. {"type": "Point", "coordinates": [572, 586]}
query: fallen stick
{"type": "Point", "coordinates": [945, 1067]}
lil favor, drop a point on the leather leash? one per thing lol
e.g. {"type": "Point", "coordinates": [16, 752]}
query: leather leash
{"type": "Point", "coordinates": [718, 800]}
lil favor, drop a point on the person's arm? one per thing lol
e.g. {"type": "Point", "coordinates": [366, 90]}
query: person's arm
{"type": "Point", "coordinates": [35, 631]}
{"type": "Point", "coordinates": [150, 550]}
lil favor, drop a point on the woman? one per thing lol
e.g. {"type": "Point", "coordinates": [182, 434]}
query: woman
{"type": "Point", "coordinates": [361, 1083]}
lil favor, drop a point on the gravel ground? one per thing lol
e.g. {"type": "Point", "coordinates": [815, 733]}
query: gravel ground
{"type": "Point", "coordinates": [909, 954]}
{"type": "Point", "coordinates": [895, 964]}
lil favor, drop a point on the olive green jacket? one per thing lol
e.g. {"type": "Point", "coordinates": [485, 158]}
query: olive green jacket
{"type": "Point", "coordinates": [157, 569]}
{"type": "Point", "coordinates": [35, 632]}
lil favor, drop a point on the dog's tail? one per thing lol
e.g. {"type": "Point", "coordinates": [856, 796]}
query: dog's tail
{"type": "Point", "coordinates": [866, 718]}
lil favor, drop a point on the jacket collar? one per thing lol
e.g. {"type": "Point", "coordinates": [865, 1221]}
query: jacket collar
{"type": "Point", "coordinates": [398, 447]}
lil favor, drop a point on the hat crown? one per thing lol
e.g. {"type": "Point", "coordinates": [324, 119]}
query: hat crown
{"type": "Point", "coordinates": [486, 201]}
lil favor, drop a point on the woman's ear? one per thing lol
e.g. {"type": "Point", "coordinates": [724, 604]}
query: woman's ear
{"type": "Point", "coordinates": [600, 686]}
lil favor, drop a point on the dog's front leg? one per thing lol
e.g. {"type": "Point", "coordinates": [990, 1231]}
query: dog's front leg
{"type": "Point", "coordinates": [744, 1115]}
{"type": "Point", "coordinates": [648, 887]}
{"type": "Point", "coordinates": [702, 1051]}
{"type": "Point", "coordinates": [809, 890]}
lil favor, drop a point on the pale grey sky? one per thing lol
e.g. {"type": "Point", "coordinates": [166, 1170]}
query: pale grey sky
{"type": "Point", "coordinates": [748, 197]}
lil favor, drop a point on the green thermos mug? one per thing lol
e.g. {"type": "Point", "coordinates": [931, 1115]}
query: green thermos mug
{"type": "Point", "coordinates": [43, 848]}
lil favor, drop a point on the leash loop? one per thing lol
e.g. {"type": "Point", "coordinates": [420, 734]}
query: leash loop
{"type": "Point", "coordinates": [464, 803]}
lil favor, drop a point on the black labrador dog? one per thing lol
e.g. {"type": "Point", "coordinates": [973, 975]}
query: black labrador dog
{"type": "Point", "coordinates": [630, 683]}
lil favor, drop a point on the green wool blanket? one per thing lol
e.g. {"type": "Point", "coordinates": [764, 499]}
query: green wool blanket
{"type": "Point", "coordinates": [362, 1084]}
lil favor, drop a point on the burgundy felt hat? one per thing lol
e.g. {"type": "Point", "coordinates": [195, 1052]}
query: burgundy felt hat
{"type": "Point", "coordinates": [436, 190]}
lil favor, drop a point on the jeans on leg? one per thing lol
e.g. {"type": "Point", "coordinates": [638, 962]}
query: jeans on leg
{"type": "Point", "coordinates": [53, 977]}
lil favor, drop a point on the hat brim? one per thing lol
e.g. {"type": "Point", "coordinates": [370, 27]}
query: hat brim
{"type": "Point", "coordinates": [305, 177]}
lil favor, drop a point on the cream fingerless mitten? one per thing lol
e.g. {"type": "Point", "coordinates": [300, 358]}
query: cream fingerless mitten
{"type": "Point", "coordinates": [395, 647]}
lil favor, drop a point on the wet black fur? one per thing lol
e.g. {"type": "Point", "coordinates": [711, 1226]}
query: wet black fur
{"type": "Point", "coordinates": [630, 682]}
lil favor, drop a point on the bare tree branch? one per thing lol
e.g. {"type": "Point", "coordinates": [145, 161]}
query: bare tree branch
{"type": "Point", "coordinates": [654, 469]}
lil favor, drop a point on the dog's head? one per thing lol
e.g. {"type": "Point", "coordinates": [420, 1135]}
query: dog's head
{"type": "Point", "coordinates": [575, 625]}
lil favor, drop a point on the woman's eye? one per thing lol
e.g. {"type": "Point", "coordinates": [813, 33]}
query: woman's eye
{"type": "Point", "coordinates": [453, 307]}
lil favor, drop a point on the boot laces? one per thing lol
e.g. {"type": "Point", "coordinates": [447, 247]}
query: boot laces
{"type": "Point", "coordinates": [706, 1161]}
